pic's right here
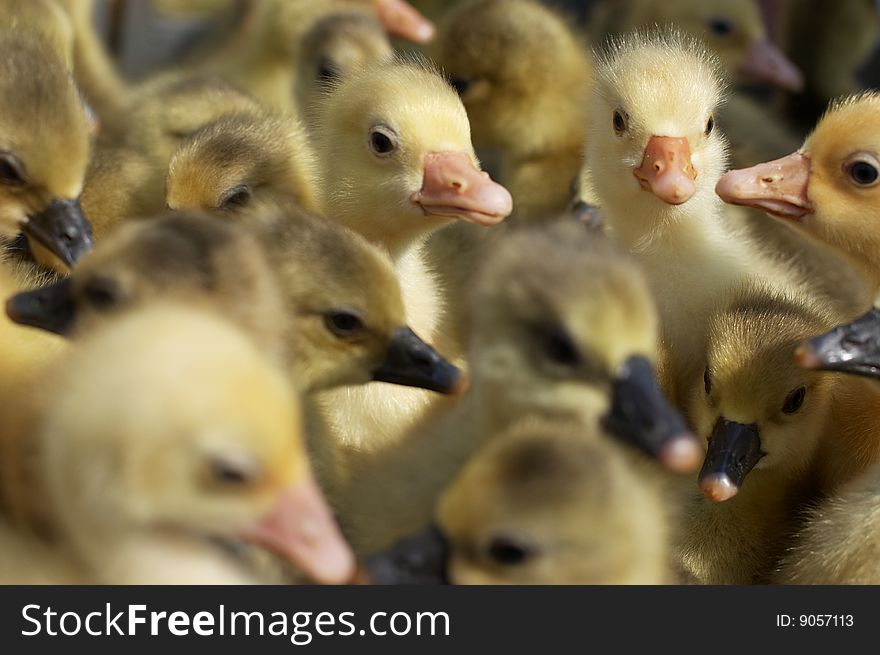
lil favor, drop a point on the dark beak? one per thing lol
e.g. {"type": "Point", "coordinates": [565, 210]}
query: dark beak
{"type": "Point", "coordinates": [641, 416]}
{"type": "Point", "coordinates": [734, 449]}
{"type": "Point", "coordinates": [413, 363]}
{"type": "Point", "coordinates": [418, 560]}
{"type": "Point", "coordinates": [50, 308]}
{"type": "Point", "coordinates": [62, 229]}
{"type": "Point", "coordinates": [853, 348]}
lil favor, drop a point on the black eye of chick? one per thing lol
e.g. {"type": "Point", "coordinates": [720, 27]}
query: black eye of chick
{"type": "Point", "coordinates": [720, 26]}
{"type": "Point", "coordinates": [10, 172]}
{"type": "Point", "coordinates": [794, 401]}
{"type": "Point", "coordinates": [381, 143]}
{"type": "Point", "coordinates": [863, 173]}
{"type": "Point", "coordinates": [236, 197]}
{"type": "Point", "coordinates": [328, 71]}
{"type": "Point", "coordinates": [229, 474]}
{"type": "Point", "coordinates": [620, 123]}
{"type": "Point", "coordinates": [344, 324]}
{"type": "Point", "coordinates": [710, 125]}
{"type": "Point", "coordinates": [707, 380]}
{"type": "Point", "coordinates": [509, 552]}
{"type": "Point", "coordinates": [559, 348]}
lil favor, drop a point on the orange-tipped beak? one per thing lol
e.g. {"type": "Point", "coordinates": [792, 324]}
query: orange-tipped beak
{"type": "Point", "coordinates": [766, 63]}
{"type": "Point", "coordinates": [718, 488]}
{"type": "Point", "coordinates": [777, 187]}
{"type": "Point", "coordinates": [667, 171]}
{"type": "Point", "coordinates": [454, 187]}
{"type": "Point", "coordinates": [402, 19]}
{"type": "Point", "coordinates": [302, 529]}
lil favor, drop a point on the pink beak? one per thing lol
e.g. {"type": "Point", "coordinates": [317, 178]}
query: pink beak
{"type": "Point", "coordinates": [667, 171]}
{"type": "Point", "coordinates": [777, 187]}
{"type": "Point", "coordinates": [454, 187]}
{"type": "Point", "coordinates": [301, 528]}
{"type": "Point", "coordinates": [402, 19]}
{"type": "Point", "coordinates": [766, 62]}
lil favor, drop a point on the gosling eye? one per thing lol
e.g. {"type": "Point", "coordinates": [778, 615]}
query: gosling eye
{"type": "Point", "coordinates": [11, 170]}
{"type": "Point", "coordinates": [383, 141]}
{"type": "Point", "coordinates": [863, 170]}
{"type": "Point", "coordinates": [509, 551]}
{"type": "Point", "coordinates": [559, 348]}
{"type": "Point", "coordinates": [328, 70]}
{"type": "Point", "coordinates": [237, 197]}
{"type": "Point", "coordinates": [710, 125]}
{"type": "Point", "coordinates": [344, 324]}
{"type": "Point", "coordinates": [460, 85]}
{"type": "Point", "coordinates": [707, 380]}
{"type": "Point", "coordinates": [794, 401]}
{"type": "Point", "coordinates": [102, 293]}
{"type": "Point", "coordinates": [621, 122]}
{"type": "Point", "coordinates": [230, 472]}
{"type": "Point", "coordinates": [720, 26]}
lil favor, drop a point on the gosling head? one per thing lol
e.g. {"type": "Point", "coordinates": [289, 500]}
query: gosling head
{"type": "Point", "coordinates": [238, 161]}
{"type": "Point", "coordinates": [564, 323]}
{"type": "Point", "coordinates": [761, 414]}
{"type": "Point", "coordinates": [541, 504]}
{"type": "Point", "coordinates": [169, 423]}
{"type": "Point", "coordinates": [44, 151]}
{"type": "Point", "coordinates": [396, 158]}
{"type": "Point", "coordinates": [830, 188]}
{"type": "Point", "coordinates": [653, 150]}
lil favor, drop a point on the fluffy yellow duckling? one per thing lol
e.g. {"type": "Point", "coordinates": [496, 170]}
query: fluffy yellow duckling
{"type": "Point", "coordinates": [767, 424]}
{"type": "Point", "coordinates": [142, 486]}
{"type": "Point", "coordinates": [524, 77]}
{"type": "Point", "coordinates": [565, 328]}
{"type": "Point", "coordinates": [540, 504]}
{"type": "Point", "coordinates": [374, 143]}
{"type": "Point", "coordinates": [44, 145]}
{"type": "Point", "coordinates": [828, 189]}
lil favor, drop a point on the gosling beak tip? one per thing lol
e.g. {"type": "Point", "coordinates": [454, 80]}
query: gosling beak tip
{"type": "Point", "coordinates": [718, 487]}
